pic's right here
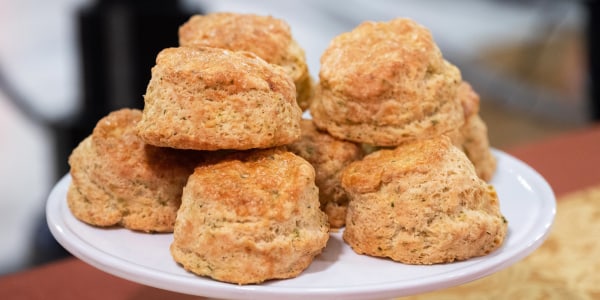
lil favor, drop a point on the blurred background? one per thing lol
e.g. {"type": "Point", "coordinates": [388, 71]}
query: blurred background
{"type": "Point", "coordinates": [64, 64]}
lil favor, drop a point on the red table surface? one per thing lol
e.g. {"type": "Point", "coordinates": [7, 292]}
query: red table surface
{"type": "Point", "coordinates": [568, 162]}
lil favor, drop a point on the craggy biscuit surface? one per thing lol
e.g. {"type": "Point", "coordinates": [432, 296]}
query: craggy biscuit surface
{"type": "Point", "coordinates": [117, 179]}
{"type": "Point", "coordinates": [472, 136]}
{"type": "Point", "coordinates": [328, 155]}
{"type": "Point", "coordinates": [468, 98]}
{"type": "Point", "coordinates": [211, 99]}
{"type": "Point", "coordinates": [249, 218]}
{"type": "Point", "coordinates": [421, 203]}
{"type": "Point", "coordinates": [384, 83]}
{"type": "Point", "coordinates": [473, 140]}
{"type": "Point", "coordinates": [268, 37]}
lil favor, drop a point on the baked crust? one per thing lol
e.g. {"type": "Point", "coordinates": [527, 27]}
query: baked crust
{"type": "Point", "coordinates": [421, 203]}
{"type": "Point", "coordinates": [211, 99]}
{"type": "Point", "coordinates": [472, 136]}
{"type": "Point", "coordinates": [251, 217]}
{"type": "Point", "coordinates": [329, 156]}
{"type": "Point", "coordinates": [384, 83]}
{"type": "Point", "coordinates": [268, 37]}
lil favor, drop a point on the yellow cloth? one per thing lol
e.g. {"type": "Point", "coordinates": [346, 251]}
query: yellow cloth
{"type": "Point", "coordinates": [566, 266]}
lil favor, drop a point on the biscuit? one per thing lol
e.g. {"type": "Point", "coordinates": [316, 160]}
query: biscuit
{"type": "Point", "coordinates": [211, 99]}
{"type": "Point", "coordinates": [328, 155]}
{"type": "Point", "coordinates": [250, 217]}
{"type": "Point", "coordinates": [117, 179]}
{"type": "Point", "coordinates": [421, 203]}
{"type": "Point", "coordinates": [384, 83]}
{"type": "Point", "coordinates": [473, 140]}
{"type": "Point", "coordinates": [472, 136]}
{"type": "Point", "coordinates": [469, 99]}
{"type": "Point", "coordinates": [268, 37]}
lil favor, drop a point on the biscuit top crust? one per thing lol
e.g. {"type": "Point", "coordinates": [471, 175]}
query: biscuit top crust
{"type": "Point", "coordinates": [118, 145]}
{"type": "Point", "coordinates": [118, 125]}
{"type": "Point", "coordinates": [384, 166]}
{"type": "Point", "coordinates": [255, 185]}
{"type": "Point", "coordinates": [211, 99]}
{"type": "Point", "coordinates": [124, 155]}
{"type": "Point", "coordinates": [377, 58]}
{"type": "Point", "coordinates": [222, 70]}
{"type": "Point", "coordinates": [266, 36]}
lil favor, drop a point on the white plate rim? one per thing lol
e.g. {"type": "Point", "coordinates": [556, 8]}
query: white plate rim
{"type": "Point", "coordinates": [146, 275]}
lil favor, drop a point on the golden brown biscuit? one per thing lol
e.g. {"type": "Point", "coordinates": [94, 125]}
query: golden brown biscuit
{"type": "Point", "coordinates": [252, 217]}
{"type": "Point", "coordinates": [384, 83]}
{"type": "Point", "coordinates": [468, 98]}
{"type": "Point", "coordinates": [268, 37]}
{"type": "Point", "coordinates": [421, 203]}
{"type": "Point", "coordinates": [328, 155]}
{"type": "Point", "coordinates": [119, 180]}
{"type": "Point", "coordinates": [473, 140]}
{"type": "Point", "coordinates": [210, 99]}
{"type": "Point", "coordinates": [472, 136]}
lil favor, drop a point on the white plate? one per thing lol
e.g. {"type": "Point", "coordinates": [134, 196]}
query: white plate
{"type": "Point", "coordinates": [526, 200]}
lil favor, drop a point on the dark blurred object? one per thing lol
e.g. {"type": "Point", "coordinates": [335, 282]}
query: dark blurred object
{"type": "Point", "coordinates": [593, 42]}
{"type": "Point", "coordinates": [119, 41]}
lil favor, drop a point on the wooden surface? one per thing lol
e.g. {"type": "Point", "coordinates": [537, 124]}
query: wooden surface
{"type": "Point", "coordinates": [570, 163]}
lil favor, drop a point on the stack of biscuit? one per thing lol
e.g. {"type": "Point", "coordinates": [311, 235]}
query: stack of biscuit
{"type": "Point", "coordinates": [243, 209]}
{"type": "Point", "coordinates": [221, 156]}
{"type": "Point", "coordinates": [271, 40]}
{"type": "Point", "coordinates": [418, 198]}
